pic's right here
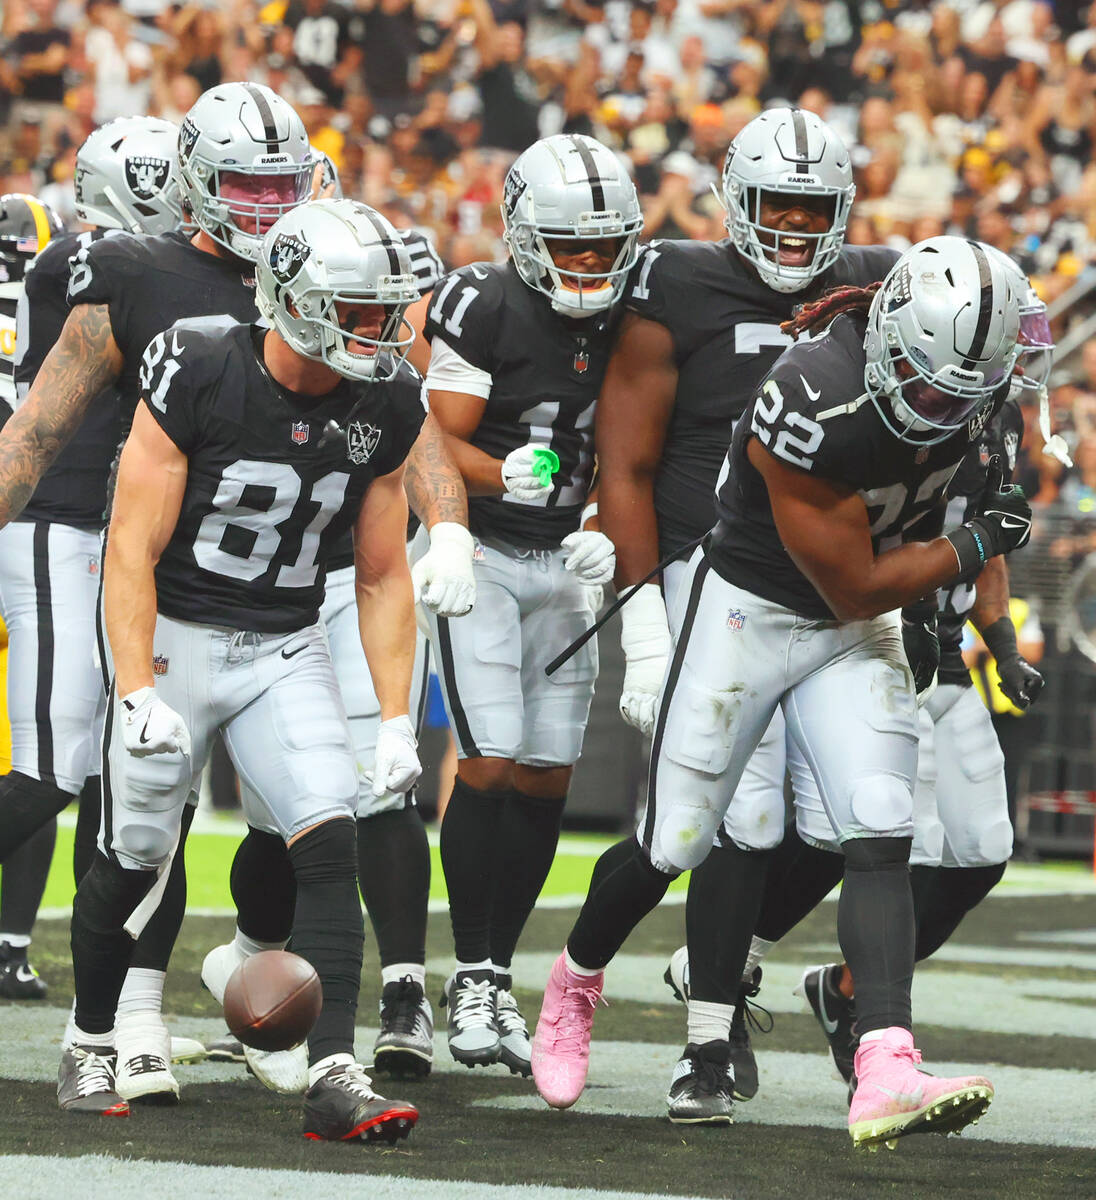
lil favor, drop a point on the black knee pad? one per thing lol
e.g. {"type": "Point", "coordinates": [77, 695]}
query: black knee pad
{"type": "Point", "coordinates": [326, 854]}
{"type": "Point", "coordinates": [875, 854]}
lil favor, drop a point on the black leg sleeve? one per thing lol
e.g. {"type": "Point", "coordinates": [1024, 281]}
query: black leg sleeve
{"type": "Point", "coordinates": [800, 877]}
{"type": "Point", "coordinates": [157, 940]}
{"type": "Point", "coordinates": [624, 888]}
{"type": "Point", "coordinates": [23, 880]}
{"type": "Point", "coordinates": [875, 929]}
{"type": "Point", "coordinates": [263, 887]}
{"type": "Point", "coordinates": [25, 806]}
{"type": "Point", "coordinates": [527, 845]}
{"type": "Point", "coordinates": [939, 909]}
{"type": "Point", "coordinates": [469, 858]}
{"type": "Point", "coordinates": [394, 877]}
{"type": "Point", "coordinates": [720, 914]}
{"type": "Point", "coordinates": [327, 929]}
{"type": "Point", "coordinates": [101, 948]}
{"type": "Point", "coordinates": [89, 817]}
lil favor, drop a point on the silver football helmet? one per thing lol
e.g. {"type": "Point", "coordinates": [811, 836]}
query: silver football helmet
{"type": "Point", "coordinates": [941, 339]}
{"type": "Point", "coordinates": [1035, 340]}
{"type": "Point", "coordinates": [791, 152]}
{"type": "Point", "coordinates": [242, 129]}
{"type": "Point", "coordinates": [570, 188]}
{"type": "Point", "coordinates": [329, 251]}
{"type": "Point", "coordinates": [125, 176]}
{"type": "Point", "coordinates": [329, 175]}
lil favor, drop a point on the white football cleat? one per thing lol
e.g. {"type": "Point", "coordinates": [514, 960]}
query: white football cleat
{"type": "Point", "coordinates": [282, 1071]}
{"type": "Point", "coordinates": [187, 1050]}
{"type": "Point", "coordinates": [144, 1060]}
{"type": "Point", "coordinates": [217, 967]}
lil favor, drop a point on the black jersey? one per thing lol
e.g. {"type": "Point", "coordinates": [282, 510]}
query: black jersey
{"type": "Point", "coordinates": [546, 372]}
{"type": "Point", "coordinates": [149, 283]}
{"type": "Point", "coordinates": [812, 412]}
{"type": "Point", "coordinates": [265, 500]}
{"type": "Point", "coordinates": [725, 326]}
{"type": "Point", "coordinates": [74, 489]}
{"type": "Point", "coordinates": [1002, 436]}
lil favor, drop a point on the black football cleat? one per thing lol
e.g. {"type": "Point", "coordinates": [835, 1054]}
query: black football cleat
{"type": "Point", "coordinates": [342, 1107]}
{"type": "Point", "coordinates": [18, 979]}
{"type": "Point", "coordinates": [702, 1085]}
{"type": "Point", "coordinates": [405, 1045]}
{"type": "Point", "coordinates": [746, 1017]}
{"type": "Point", "coordinates": [835, 1013]}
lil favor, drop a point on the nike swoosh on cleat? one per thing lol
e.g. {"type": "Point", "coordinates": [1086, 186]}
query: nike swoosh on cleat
{"type": "Point", "coordinates": [294, 653]}
{"type": "Point", "coordinates": [912, 1098]}
{"type": "Point", "coordinates": [828, 1025]}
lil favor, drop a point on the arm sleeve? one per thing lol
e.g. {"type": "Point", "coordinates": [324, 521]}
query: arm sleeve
{"type": "Point", "coordinates": [448, 372]}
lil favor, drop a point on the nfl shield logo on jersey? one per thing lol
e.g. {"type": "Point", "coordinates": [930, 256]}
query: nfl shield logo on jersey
{"type": "Point", "coordinates": [736, 619]}
{"type": "Point", "coordinates": [581, 361]}
{"type": "Point", "coordinates": [361, 441]}
{"type": "Point", "coordinates": [159, 664]}
{"type": "Point", "coordinates": [299, 433]}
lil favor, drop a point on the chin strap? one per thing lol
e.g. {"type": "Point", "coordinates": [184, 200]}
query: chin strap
{"type": "Point", "coordinates": [1054, 444]}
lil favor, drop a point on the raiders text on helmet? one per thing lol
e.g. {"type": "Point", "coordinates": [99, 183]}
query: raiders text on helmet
{"type": "Point", "coordinates": [791, 152]}
{"type": "Point", "coordinates": [125, 176]}
{"type": "Point", "coordinates": [570, 188]}
{"type": "Point", "coordinates": [941, 339]}
{"type": "Point", "coordinates": [336, 250]}
{"type": "Point", "coordinates": [242, 129]}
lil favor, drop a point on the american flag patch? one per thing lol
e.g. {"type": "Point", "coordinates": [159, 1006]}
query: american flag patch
{"type": "Point", "coordinates": [159, 664]}
{"type": "Point", "coordinates": [736, 619]}
{"type": "Point", "coordinates": [27, 245]}
{"type": "Point", "coordinates": [299, 432]}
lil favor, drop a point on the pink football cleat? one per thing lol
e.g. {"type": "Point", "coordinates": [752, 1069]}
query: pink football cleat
{"type": "Point", "coordinates": [561, 1044]}
{"type": "Point", "coordinates": [893, 1098]}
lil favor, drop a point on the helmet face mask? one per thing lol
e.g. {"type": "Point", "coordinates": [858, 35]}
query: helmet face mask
{"type": "Point", "coordinates": [330, 254]}
{"type": "Point", "coordinates": [125, 176]}
{"type": "Point", "coordinates": [785, 156]}
{"type": "Point", "coordinates": [565, 195]}
{"type": "Point", "coordinates": [941, 338]}
{"type": "Point", "coordinates": [235, 131]}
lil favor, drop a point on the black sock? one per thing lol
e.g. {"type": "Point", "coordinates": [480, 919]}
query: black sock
{"type": "Point", "coordinates": [89, 817]}
{"type": "Point", "coordinates": [525, 847]}
{"type": "Point", "coordinates": [101, 948]}
{"type": "Point", "coordinates": [327, 929]}
{"type": "Point", "coordinates": [876, 932]}
{"type": "Point", "coordinates": [800, 877]}
{"type": "Point", "coordinates": [954, 892]}
{"type": "Point", "coordinates": [469, 858]}
{"type": "Point", "coordinates": [720, 915]}
{"type": "Point", "coordinates": [25, 806]}
{"type": "Point", "coordinates": [157, 940]}
{"type": "Point", "coordinates": [23, 880]}
{"type": "Point", "coordinates": [394, 877]}
{"type": "Point", "coordinates": [263, 887]}
{"type": "Point", "coordinates": [624, 888]}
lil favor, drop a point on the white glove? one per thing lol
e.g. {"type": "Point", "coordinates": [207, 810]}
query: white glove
{"type": "Point", "coordinates": [518, 477]}
{"type": "Point", "coordinates": [645, 640]}
{"type": "Point", "coordinates": [149, 726]}
{"type": "Point", "coordinates": [396, 763]}
{"type": "Point", "coordinates": [593, 557]}
{"type": "Point", "coordinates": [443, 578]}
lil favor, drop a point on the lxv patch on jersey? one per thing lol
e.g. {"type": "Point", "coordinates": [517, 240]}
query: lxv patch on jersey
{"type": "Point", "coordinates": [361, 441]}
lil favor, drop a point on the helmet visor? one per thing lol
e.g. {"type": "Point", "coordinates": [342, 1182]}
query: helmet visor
{"type": "Point", "coordinates": [256, 200]}
{"type": "Point", "coordinates": [1036, 344]}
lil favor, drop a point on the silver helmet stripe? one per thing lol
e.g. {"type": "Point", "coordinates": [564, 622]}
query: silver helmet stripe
{"type": "Point", "coordinates": [985, 309]}
{"type": "Point", "coordinates": [799, 126]}
{"type": "Point", "coordinates": [270, 126]}
{"type": "Point", "coordinates": [597, 192]}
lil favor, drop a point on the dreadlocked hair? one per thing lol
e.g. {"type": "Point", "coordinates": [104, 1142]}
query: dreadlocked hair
{"type": "Point", "coordinates": [817, 314]}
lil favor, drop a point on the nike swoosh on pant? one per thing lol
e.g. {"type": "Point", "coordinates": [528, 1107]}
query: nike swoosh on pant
{"type": "Point", "coordinates": [294, 653]}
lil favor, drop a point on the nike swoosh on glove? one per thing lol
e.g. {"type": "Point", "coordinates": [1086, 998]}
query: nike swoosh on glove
{"type": "Point", "coordinates": [593, 557]}
{"type": "Point", "coordinates": [518, 477]}
{"type": "Point", "coordinates": [396, 763]}
{"type": "Point", "coordinates": [645, 640]}
{"type": "Point", "coordinates": [1002, 523]}
{"type": "Point", "coordinates": [149, 726]}
{"type": "Point", "coordinates": [443, 578]}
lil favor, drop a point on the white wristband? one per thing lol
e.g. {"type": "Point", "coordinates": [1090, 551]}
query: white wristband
{"type": "Point", "coordinates": [589, 511]}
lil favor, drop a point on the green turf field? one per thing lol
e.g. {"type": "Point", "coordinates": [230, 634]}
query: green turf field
{"type": "Point", "coordinates": [1011, 995]}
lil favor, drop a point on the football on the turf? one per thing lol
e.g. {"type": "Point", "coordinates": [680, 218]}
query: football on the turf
{"type": "Point", "coordinates": [272, 1000]}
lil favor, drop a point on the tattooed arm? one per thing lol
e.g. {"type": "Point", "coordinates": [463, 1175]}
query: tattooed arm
{"type": "Point", "coordinates": [435, 489]}
{"type": "Point", "coordinates": [83, 362]}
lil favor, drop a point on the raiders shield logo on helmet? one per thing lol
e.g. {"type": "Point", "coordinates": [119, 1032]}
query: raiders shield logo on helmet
{"type": "Point", "coordinates": [146, 176]}
{"type": "Point", "coordinates": [188, 136]}
{"type": "Point", "coordinates": [287, 256]}
{"type": "Point", "coordinates": [361, 441]}
{"type": "Point", "coordinates": [513, 190]}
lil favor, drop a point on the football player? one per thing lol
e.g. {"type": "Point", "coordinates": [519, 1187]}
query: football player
{"type": "Point", "coordinates": [833, 479]}
{"type": "Point", "coordinates": [702, 330]}
{"type": "Point", "coordinates": [27, 226]}
{"type": "Point", "coordinates": [518, 352]}
{"type": "Point", "coordinates": [50, 556]}
{"type": "Point", "coordinates": [222, 523]}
